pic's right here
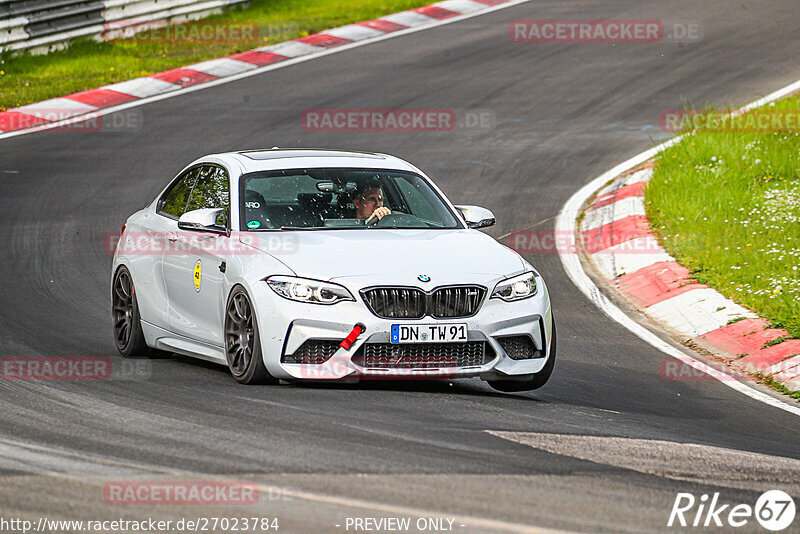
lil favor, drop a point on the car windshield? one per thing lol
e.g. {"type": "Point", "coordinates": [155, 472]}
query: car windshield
{"type": "Point", "coordinates": [340, 198]}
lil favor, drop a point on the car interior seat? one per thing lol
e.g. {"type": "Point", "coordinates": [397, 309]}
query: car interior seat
{"type": "Point", "coordinates": [256, 209]}
{"type": "Point", "coordinates": [314, 208]}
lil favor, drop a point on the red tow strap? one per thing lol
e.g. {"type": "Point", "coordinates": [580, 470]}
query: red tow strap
{"type": "Point", "coordinates": [351, 337]}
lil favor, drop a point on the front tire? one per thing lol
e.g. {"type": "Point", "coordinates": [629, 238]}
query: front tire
{"type": "Point", "coordinates": [535, 381]}
{"type": "Point", "coordinates": [242, 342]}
{"type": "Point", "coordinates": [128, 334]}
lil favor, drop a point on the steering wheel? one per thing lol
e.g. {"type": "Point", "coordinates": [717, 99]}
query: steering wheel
{"type": "Point", "coordinates": [396, 219]}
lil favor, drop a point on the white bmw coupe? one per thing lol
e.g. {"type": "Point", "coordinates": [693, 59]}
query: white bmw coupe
{"type": "Point", "coordinates": [301, 265]}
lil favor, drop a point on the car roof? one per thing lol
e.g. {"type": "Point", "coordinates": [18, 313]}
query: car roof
{"type": "Point", "coordinates": [303, 158]}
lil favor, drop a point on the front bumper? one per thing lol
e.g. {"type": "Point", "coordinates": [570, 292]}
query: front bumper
{"type": "Point", "coordinates": [285, 325]}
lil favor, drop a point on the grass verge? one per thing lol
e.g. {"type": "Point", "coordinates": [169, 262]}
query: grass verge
{"type": "Point", "coordinates": [87, 64]}
{"type": "Point", "coordinates": [780, 387]}
{"type": "Point", "coordinates": [725, 202]}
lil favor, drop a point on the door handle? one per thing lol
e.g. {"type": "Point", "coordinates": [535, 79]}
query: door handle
{"type": "Point", "coordinates": [172, 238]}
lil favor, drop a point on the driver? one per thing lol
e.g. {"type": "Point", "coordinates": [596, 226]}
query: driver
{"type": "Point", "coordinates": [369, 203]}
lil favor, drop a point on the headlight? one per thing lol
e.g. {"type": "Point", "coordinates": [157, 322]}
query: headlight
{"type": "Point", "coordinates": [305, 290]}
{"type": "Point", "coordinates": [516, 288]}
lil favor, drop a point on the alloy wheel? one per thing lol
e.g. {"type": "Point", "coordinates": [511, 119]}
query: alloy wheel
{"type": "Point", "coordinates": [239, 334]}
{"type": "Point", "coordinates": [123, 309]}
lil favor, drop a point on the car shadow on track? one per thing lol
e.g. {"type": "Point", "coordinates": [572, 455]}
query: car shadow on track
{"type": "Point", "coordinates": [462, 386]}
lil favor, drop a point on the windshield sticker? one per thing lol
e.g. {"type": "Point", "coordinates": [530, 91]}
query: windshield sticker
{"type": "Point", "coordinates": [254, 224]}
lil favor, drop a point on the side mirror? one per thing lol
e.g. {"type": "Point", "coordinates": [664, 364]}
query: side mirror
{"type": "Point", "coordinates": [204, 219]}
{"type": "Point", "coordinates": [476, 217]}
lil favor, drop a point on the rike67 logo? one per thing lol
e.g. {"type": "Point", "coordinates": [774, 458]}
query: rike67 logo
{"type": "Point", "coordinates": [774, 510]}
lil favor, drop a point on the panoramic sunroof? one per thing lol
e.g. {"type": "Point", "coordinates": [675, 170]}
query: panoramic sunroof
{"type": "Point", "coordinates": [260, 155]}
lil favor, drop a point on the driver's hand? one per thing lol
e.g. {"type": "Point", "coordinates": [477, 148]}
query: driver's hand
{"type": "Point", "coordinates": [381, 212]}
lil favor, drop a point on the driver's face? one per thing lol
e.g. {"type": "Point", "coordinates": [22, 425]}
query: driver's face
{"type": "Point", "coordinates": [368, 202]}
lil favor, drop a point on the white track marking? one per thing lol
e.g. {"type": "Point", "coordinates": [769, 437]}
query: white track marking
{"type": "Point", "coordinates": [793, 383]}
{"type": "Point", "coordinates": [409, 18]}
{"type": "Point", "coordinates": [792, 364]}
{"type": "Point", "coordinates": [697, 312]}
{"type": "Point", "coordinates": [60, 107]}
{"type": "Point", "coordinates": [791, 375]}
{"type": "Point", "coordinates": [460, 6]}
{"type": "Point", "coordinates": [595, 218]}
{"type": "Point", "coordinates": [354, 32]}
{"type": "Point", "coordinates": [221, 67]}
{"type": "Point", "coordinates": [639, 176]}
{"type": "Point", "coordinates": [292, 49]}
{"type": "Point", "coordinates": [140, 87]}
{"type": "Point", "coordinates": [629, 257]}
{"type": "Point", "coordinates": [565, 225]}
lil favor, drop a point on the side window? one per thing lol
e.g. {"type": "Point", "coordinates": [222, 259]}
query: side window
{"type": "Point", "coordinates": [173, 203]}
{"type": "Point", "coordinates": [211, 189]}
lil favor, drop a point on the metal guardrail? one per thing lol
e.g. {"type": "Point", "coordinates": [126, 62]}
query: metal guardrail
{"type": "Point", "coordinates": [42, 25]}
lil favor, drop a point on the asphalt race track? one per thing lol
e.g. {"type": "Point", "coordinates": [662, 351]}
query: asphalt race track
{"type": "Point", "coordinates": [562, 115]}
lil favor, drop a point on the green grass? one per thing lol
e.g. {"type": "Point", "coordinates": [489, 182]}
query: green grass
{"type": "Point", "coordinates": [736, 320]}
{"type": "Point", "coordinates": [727, 206]}
{"type": "Point", "coordinates": [778, 386]}
{"type": "Point", "coordinates": [776, 341]}
{"type": "Point", "coordinates": [87, 64]}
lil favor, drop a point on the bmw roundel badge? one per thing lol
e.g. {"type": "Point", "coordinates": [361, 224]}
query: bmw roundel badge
{"type": "Point", "coordinates": [424, 278]}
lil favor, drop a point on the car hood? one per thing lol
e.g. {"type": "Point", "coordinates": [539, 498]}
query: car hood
{"type": "Point", "coordinates": [392, 256]}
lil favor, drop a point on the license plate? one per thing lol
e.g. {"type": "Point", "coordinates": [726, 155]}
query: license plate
{"type": "Point", "coordinates": [429, 333]}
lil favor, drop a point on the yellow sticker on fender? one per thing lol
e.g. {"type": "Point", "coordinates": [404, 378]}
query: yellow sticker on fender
{"type": "Point", "coordinates": [198, 276]}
